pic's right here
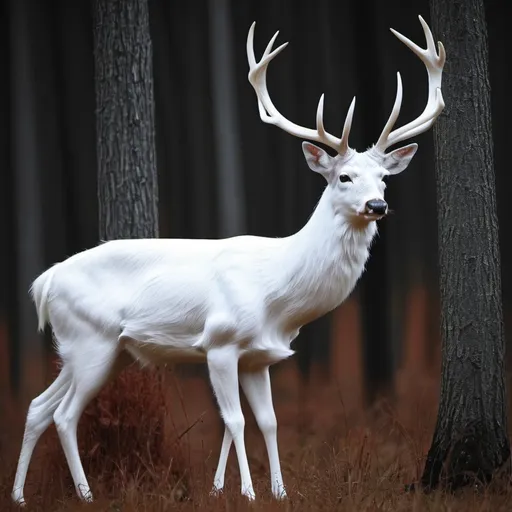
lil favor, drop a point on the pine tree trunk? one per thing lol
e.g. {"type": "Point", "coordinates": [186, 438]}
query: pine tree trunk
{"type": "Point", "coordinates": [127, 177]}
{"type": "Point", "coordinates": [470, 439]}
{"type": "Point", "coordinates": [128, 418]}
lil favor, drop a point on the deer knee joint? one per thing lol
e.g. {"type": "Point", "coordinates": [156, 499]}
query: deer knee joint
{"type": "Point", "coordinates": [235, 423]}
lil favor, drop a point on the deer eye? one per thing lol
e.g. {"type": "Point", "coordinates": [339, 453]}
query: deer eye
{"type": "Point", "coordinates": [345, 178]}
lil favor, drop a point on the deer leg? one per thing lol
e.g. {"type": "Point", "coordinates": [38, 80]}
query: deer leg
{"type": "Point", "coordinates": [257, 389]}
{"type": "Point", "coordinates": [218, 481]}
{"type": "Point", "coordinates": [223, 370]}
{"type": "Point", "coordinates": [94, 372]}
{"type": "Point", "coordinates": [39, 418]}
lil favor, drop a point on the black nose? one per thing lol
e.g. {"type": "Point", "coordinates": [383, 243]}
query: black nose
{"type": "Point", "coordinates": [377, 206]}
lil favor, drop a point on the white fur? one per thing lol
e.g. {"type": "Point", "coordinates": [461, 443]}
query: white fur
{"type": "Point", "coordinates": [236, 304]}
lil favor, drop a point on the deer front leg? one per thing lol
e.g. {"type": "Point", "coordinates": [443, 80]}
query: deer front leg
{"type": "Point", "coordinates": [257, 389]}
{"type": "Point", "coordinates": [218, 480]}
{"type": "Point", "coordinates": [223, 370]}
{"type": "Point", "coordinates": [256, 386]}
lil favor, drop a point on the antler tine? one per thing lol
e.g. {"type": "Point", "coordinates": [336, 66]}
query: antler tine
{"type": "Point", "coordinates": [431, 45]}
{"type": "Point", "coordinates": [346, 128]}
{"type": "Point", "coordinates": [268, 49]}
{"type": "Point", "coordinates": [320, 117]}
{"type": "Point", "coordinates": [434, 64]}
{"type": "Point", "coordinates": [258, 70]}
{"type": "Point", "coordinates": [326, 137]}
{"type": "Point", "coordinates": [394, 113]}
{"type": "Point", "coordinates": [269, 113]}
{"type": "Point", "coordinates": [250, 47]}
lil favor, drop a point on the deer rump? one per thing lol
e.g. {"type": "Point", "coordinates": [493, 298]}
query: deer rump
{"type": "Point", "coordinates": [168, 301]}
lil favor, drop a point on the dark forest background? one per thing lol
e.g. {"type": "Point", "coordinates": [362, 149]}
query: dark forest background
{"type": "Point", "coordinates": [222, 171]}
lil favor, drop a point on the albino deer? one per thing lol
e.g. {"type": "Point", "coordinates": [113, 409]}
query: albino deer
{"type": "Point", "coordinates": [236, 303]}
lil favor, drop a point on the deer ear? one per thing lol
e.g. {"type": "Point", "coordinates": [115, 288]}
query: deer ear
{"type": "Point", "coordinates": [398, 160]}
{"type": "Point", "coordinates": [317, 159]}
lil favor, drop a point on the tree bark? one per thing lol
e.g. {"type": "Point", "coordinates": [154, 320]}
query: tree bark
{"type": "Point", "coordinates": [128, 208]}
{"type": "Point", "coordinates": [127, 177]}
{"type": "Point", "coordinates": [470, 439]}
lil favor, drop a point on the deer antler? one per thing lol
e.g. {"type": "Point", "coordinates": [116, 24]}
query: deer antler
{"type": "Point", "coordinates": [269, 113]}
{"type": "Point", "coordinates": [434, 63]}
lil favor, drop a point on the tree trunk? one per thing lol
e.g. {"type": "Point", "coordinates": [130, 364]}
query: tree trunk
{"type": "Point", "coordinates": [470, 440]}
{"type": "Point", "coordinates": [127, 177]}
{"type": "Point", "coordinates": [128, 418]}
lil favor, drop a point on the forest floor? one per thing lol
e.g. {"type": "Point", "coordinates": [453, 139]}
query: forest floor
{"type": "Point", "coordinates": [333, 457]}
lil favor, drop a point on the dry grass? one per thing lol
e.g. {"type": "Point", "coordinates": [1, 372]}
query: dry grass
{"type": "Point", "coordinates": [336, 460]}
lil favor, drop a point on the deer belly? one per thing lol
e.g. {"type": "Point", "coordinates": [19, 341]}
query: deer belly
{"type": "Point", "coordinates": [157, 353]}
{"type": "Point", "coordinates": [255, 357]}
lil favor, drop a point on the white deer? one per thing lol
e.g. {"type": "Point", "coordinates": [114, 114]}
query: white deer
{"type": "Point", "coordinates": [236, 303]}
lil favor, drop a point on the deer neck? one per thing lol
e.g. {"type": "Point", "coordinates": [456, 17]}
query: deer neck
{"type": "Point", "coordinates": [324, 261]}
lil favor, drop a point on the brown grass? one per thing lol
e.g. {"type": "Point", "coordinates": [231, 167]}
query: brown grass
{"type": "Point", "coordinates": [339, 459]}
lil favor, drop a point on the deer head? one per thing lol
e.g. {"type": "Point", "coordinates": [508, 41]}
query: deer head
{"type": "Point", "coordinates": [355, 180]}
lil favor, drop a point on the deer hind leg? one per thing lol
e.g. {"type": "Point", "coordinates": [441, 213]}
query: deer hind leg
{"type": "Point", "coordinates": [94, 367]}
{"type": "Point", "coordinates": [39, 418]}
{"type": "Point", "coordinates": [257, 389]}
{"type": "Point", "coordinates": [223, 370]}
